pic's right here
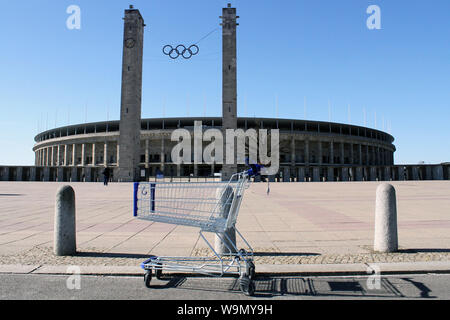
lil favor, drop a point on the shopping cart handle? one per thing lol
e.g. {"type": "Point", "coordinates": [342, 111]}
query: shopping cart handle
{"type": "Point", "coordinates": [255, 170]}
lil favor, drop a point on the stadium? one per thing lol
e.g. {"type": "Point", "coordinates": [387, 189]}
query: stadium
{"type": "Point", "coordinates": [309, 150]}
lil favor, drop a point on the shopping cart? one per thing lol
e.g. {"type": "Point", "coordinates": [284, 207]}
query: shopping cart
{"type": "Point", "coordinates": [211, 207]}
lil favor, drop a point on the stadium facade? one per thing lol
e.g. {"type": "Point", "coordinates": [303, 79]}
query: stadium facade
{"type": "Point", "coordinates": [309, 151]}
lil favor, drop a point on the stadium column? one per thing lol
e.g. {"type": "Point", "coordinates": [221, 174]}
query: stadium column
{"type": "Point", "coordinates": [320, 156]}
{"type": "Point", "coordinates": [229, 84]}
{"type": "Point", "coordinates": [373, 155]}
{"type": "Point", "coordinates": [61, 155]}
{"type": "Point", "coordinates": [378, 155]}
{"type": "Point", "coordinates": [162, 157]}
{"type": "Point", "coordinates": [293, 156]}
{"type": "Point", "coordinates": [83, 153]}
{"type": "Point", "coordinates": [74, 150]}
{"type": "Point", "coordinates": [367, 155]}
{"type": "Point", "coordinates": [342, 152]}
{"type": "Point", "coordinates": [56, 161]}
{"type": "Point", "coordinates": [58, 155]}
{"type": "Point", "coordinates": [93, 154]}
{"type": "Point", "coordinates": [105, 154]}
{"type": "Point", "coordinates": [65, 155]}
{"type": "Point", "coordinates": [352, 161]}
{"type": "Point", "coordinates": [130, 109]}
{"type": "Point", "coordinates": [331, 152]}
{"type": "Point", "coordinates": [360, 154]}
{"type": "Point", "coordinates": [118, 154]}
{"type": "Point", "coordinates": [306, 152]}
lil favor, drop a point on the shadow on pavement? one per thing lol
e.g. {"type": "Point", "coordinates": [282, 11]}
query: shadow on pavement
{"type": "Point", "coordinates": [424, 290]}
{"type": "Point", "coordinates": [284, 254]}
{"type": "Point", "coordinates": [111, 255]}
{"type": "Point", "coordinates": [423, 250]}
{"type": "Point", "coordinates": [327, 288]}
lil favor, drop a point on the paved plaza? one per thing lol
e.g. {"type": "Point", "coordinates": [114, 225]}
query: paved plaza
{"type": "Point", "coordinates": [297, 223]}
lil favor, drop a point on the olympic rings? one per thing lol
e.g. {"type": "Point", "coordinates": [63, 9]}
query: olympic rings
{"type": "Point", "coordinates": [180, 50]}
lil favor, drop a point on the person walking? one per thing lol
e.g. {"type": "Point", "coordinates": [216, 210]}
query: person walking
{"type": "Point", "coordinates": [106, 175]}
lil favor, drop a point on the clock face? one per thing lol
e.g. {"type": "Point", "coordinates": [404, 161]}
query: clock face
{"type": "Point", "coordinates": [129, 43]}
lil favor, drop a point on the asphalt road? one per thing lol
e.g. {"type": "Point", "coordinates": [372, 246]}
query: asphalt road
{"type": "Point", "coordinates": [64, 287]}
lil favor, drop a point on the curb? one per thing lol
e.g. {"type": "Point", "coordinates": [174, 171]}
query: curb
{"type": "Point", "coordinates": [71, 269]}
{"type": "Point", "coordinates": [263, 269]}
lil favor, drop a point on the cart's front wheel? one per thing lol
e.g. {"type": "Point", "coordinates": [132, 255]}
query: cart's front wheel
{"type": "Point", "coordinates": [148, 278]}
{"type": "Point", "coordinates": [247, 286]}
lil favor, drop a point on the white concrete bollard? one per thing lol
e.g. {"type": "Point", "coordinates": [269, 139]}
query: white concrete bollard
{"type": "Point", "coordinates": [64, 224]}
{"type": "Point", "coordinates": [386, 238]}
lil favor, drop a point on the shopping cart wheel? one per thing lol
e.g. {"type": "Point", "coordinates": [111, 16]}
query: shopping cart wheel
{"type": "Point", "coordinates": [247, 286]}
{"type": "Point", "coordinates": [158, 272]}
{"type": "Point", "coordinates": [148, 278]}
{"type": "Point", "coordinates": [251, 270]}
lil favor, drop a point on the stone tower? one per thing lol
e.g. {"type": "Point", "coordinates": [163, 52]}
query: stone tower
{"type": "Point", "coordinates": [229, 109]}
{"type": "Point", "coordinates": [229, 83]}
{"type": "Point", "coordinates": [130, 107]}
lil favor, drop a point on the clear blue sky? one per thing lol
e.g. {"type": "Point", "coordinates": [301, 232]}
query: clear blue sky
{"type": "Point", "coordinates": [291, 51]}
